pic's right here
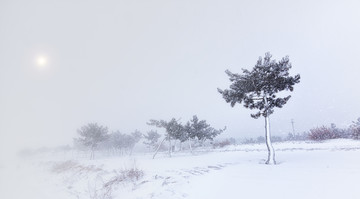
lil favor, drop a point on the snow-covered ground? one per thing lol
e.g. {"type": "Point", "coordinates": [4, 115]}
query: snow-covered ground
{"type": "Point", "coordinates": [329, 170]}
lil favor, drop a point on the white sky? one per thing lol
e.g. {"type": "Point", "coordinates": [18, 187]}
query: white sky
{"type": "Point", "coordinates": [121, 63]}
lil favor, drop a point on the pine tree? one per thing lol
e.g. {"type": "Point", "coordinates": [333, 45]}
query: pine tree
{"type": "Point", "coordinates": [257, 89]}
{"type": "Point", "coordinates": [91, 135]}
{"type": "Point", "coordinates": [134, 138]}
{"type": "Point", "coordinates": [173, 128]}
{"type": "Point", "coordinates": [124, 142]}
{"type": "Point", "coordinates": [151, 139]}
{"type": "Point", "coordinates": [117, 141]}
{"type": "Point", "coordinates": [199, 129]}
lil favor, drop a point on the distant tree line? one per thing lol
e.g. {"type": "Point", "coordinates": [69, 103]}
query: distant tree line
{"type": "Point", "coordinates": [316, 134]}
{"type": "Point", "coordinates": [333, 132]}
{"type": "Point", "coordinates": [261, 139]}
{"type": "Point", "coordinates": [94, 137]}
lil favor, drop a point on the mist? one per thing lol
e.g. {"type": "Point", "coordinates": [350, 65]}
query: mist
{"type": "Point", "coordinates": [122, 63]}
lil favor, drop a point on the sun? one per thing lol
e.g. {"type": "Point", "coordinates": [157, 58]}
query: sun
{"type": "Point", "coordinates": [41, 61]}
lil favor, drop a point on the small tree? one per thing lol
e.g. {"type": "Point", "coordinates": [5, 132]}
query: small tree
{"type": "Point", "coordinates": [151, 139]}
{"type": "Point", "coordinates": [173, 130]}
{"type": "Point", "coordinates": [134, 138]}
{"type": "Point", "coordinates": [91, 135]}
{"type": "Point", "coordinates": [199, 129]}
{"type": "Point", "coordinates": [124, 142]}
{"type": "Point", "coordinates": [257, 89]}
{"type": "Point", "coordinates": [118, 141]}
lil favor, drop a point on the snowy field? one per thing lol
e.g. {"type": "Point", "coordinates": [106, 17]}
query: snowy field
{"type": "Point", "coordinates": [329, 170]}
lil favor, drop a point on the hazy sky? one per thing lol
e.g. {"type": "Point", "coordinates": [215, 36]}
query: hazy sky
{"type": "Point", "coordinates": [121, 63]}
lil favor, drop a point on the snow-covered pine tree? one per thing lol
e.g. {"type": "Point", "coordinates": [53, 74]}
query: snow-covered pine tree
{"type": "Point", "coordinates": [123, 143]}
{"type": "Point", "coordinates": [201, 130]}
{"type": "Point", "coordinates": [118, 142]}
{"type": "Point", "coordinates": [257, 89]}
{"type": "Point", "coordinates": [134, 138]}
{"type": "Point", "coordinates": [151, 139]}
{"type": "Point", "coordinates": [91, 135]}
{"type": "Point", "coordinates": [173, 129]}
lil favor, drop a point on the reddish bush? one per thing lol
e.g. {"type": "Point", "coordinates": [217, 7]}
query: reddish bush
{"type": "Point", "coordinates": [323, 133]}
{"type": "Point", "coordinates": [222, 143]}
{"type": "Point", "coordinates": [355, 129]}
{"type": "Point", "coordinates": [355, 133]}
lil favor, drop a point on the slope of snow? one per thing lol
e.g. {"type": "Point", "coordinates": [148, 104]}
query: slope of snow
{"type": "Point", "coordinates": [328, 169]}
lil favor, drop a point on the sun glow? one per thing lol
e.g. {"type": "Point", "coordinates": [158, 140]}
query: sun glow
{"type": "Point", "coordinates": [41, 61]}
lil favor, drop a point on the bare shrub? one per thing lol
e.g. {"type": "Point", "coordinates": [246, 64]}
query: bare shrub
{"type": "Point", "coordinates": [64, 166]}
{"type": "Point", "coordinates": [104, 190]}
{"type": "Point", "coordinates": [69, 165]}
{"type": "Point", "coordinates": [98, 191]}
{"type": "Point", "coordinates": [133, 174]}
{"type": "Point", "coordinates": [323, 133]}
{"type": "Point", "coordinates": [222, 144]}
{"type": "Point", "coordinates": [355, 133]}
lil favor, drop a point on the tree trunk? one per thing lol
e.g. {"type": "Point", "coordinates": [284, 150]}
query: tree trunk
{"type": "Point", "coordinates": [131, 150]}
{"type": "Point", "coordinates": [170, 148]}
{"type": "Point", "coordinates": [158, 147]}
{"type": "Point", "coordinates": [92, 154]}
{"type": "Point", "coordinates": [271, 151]}
{"type": "Point", "coordinates": [190, 145]}
{"type": "Point", "coordinates": [174, 147]}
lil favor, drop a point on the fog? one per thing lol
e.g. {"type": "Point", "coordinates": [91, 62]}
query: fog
{"type": "Point", "coordinates": [121, 63]}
